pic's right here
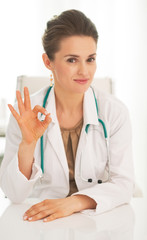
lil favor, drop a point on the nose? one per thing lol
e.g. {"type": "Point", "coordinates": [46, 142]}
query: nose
{"type": "Point", "coordinates": [83, 69]}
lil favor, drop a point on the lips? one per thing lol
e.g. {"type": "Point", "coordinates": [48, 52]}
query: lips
{"type": "Point", "coordinates": [81, 81]}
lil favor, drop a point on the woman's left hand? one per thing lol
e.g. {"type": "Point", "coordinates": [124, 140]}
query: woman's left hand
{"type": "Point", "coordinates": [51, 209]}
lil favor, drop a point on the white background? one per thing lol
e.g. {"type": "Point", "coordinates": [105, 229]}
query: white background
{"type": "Point", "coordinates": [122, 54]}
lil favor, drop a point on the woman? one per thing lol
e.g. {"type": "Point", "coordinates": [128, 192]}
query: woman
{"type": "Point", "coordinates": [75, 153]}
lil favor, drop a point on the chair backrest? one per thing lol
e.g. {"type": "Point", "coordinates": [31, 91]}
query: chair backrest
{"type": "Point", "coordinates": [35, 83]}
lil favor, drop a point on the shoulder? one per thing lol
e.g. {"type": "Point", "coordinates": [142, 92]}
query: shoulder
{"type": "Point", "coordinates": [112, 111]}
{"type": "Point", "coordinates": [108, 103]}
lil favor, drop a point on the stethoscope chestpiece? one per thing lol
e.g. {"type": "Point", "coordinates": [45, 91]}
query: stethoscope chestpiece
{"type": "Point", "coordinates": [99, 181]}
{"type": "Point", "coordinates": [90, 180]}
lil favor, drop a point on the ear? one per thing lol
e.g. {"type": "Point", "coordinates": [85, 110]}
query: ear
{"type": "Point", "coordinates": [47, 61]}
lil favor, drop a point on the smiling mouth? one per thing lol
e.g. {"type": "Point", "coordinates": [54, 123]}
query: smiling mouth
{"type": "Point", "coordinates": [81, 81]}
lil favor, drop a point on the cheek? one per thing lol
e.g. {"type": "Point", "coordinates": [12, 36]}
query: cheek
{"type": "Point", "coordinates": [66, 72]}
{"type": "Point", "coordinates": [92, 70]}
{"type": "Point", "coordinates": [61, 69]}
{"type": "Point", "coordinates": [58, 71]}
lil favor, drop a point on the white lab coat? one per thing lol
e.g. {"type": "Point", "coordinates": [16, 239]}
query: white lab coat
{"type": "Point", "coordinates": [91, 157]}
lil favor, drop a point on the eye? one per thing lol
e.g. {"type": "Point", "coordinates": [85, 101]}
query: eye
{"type": "Point", "coordinates": [71, 60]}
{"type": "Point", "coordinates": [91, 59]}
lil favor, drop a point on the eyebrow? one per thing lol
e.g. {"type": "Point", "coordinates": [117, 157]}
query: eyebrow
{"type": "Point", "coordinates": [73, 55]}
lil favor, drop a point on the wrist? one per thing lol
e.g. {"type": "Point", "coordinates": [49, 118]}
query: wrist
{"type": "Point", "coordinates": [26, 157]}
{"type": "Point", "coordinates": [26, 151]}
{"type": "Point", "coordinates": [83, 202]}
{"type": "Point", "coordinates": [26, 144]}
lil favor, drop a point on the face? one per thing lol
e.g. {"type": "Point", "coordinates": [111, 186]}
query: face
{"type": "Point", "coordinates": [74, 64]}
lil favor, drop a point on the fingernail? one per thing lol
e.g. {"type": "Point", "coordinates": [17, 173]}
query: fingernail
{"type": "Point", "coordinates": [30, 218]}
{"type": "Point", "coordinates": [45, 220]}
{"type": "Point", "coordinates": [25, 217]}
{"type": "Point", "coordinates": [46, 112]}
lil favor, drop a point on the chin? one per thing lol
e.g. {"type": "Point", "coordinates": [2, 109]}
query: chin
{"type": "Point", "coordinates": [82, 89]}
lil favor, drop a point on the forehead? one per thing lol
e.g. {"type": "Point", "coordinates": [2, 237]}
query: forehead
{"type": "Point", "coordinates": [77, 45]}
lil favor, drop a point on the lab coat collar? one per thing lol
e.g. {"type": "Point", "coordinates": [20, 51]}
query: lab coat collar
{"type": "Point", "coordinates": [89, 109]}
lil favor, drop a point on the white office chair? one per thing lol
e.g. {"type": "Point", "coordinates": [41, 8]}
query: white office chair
{"type": "Point", "coordinates": [36, 83]}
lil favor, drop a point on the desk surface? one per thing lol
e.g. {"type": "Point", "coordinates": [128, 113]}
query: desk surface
{"type": "Point", "coordinates": [128, 222]}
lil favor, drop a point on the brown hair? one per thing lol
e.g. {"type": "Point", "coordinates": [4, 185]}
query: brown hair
{"type": "Point", "coordinates": [68, 23]}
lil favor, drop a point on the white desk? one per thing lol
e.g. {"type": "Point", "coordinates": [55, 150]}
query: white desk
{"type": "Point", "coordinates": [128, 222]}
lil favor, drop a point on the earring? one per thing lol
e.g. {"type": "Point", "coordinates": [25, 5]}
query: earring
{"type": "Point", "coordinates": [51, 80]}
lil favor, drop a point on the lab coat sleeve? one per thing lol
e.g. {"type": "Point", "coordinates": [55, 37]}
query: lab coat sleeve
{"type": "Point", "coordinates": [119, 189]}
{"type": "Point", "coordinates": [14, 184]}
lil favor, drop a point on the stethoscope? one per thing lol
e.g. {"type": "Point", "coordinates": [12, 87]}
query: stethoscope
{"type": "Point", "coordinates": [89, 180]}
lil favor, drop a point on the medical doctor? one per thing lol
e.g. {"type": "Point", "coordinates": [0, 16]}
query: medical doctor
{"type": "Point", "coordinates": [83, 162]}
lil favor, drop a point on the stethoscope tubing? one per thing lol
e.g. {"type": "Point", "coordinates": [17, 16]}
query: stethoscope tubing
{"type": "Point", "coordinates": [41, 139]}
{"type": "Point", "coordinates": [86, 130]}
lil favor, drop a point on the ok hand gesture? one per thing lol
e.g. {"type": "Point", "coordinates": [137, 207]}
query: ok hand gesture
{"type": "Point", "coordinates": [31, 127]}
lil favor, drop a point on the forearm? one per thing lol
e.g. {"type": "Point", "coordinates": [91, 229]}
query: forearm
{"type": "Point", "coordinates": [26, 158]}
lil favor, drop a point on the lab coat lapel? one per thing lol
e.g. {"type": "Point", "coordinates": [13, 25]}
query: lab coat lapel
{"type": "Point", "coordinates": [90, 118]}
{"type": "Point", "coordinates": [54, 134]}
{"type": "Point", "coordinates": [89, 108]}
{"type": "Point", "coordinates": [55, 139]}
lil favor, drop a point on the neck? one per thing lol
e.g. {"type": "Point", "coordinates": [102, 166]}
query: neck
{"type": "Point", "coordinates": [68, 102]}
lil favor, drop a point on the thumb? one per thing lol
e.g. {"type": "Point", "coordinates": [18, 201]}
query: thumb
{"type": "Point", "coordinates": [46, 121]}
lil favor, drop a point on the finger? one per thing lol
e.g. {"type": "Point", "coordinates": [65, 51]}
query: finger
{"type": "Point", "coordinates": [34, 209]}
{"type": "Point", "coordinates": [40, 109]}
{"type": "Point", "coordinates": [46, 121]}
{"type": "Point", "coordinates": [37, 211]}
{"type": "Point", "coordinates": [41, 215]}
{"type": "Point", "coordinates": [52, 217]}
{"type": "Point", "coordinates": [20, 102]}
{"type": "Point", "coordinates": [14, 113]}
{"type": "Point", "coordinates": [27, 102]}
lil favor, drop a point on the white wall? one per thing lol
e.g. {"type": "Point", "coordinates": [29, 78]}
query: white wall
{"type": "Point", "coordinates": [130, 75]}
{"type": "Point", "coordinates": [122, 53]}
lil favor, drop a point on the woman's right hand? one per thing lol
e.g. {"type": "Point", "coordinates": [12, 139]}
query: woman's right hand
{"type": "Point", "coordinates": [31, 127]}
